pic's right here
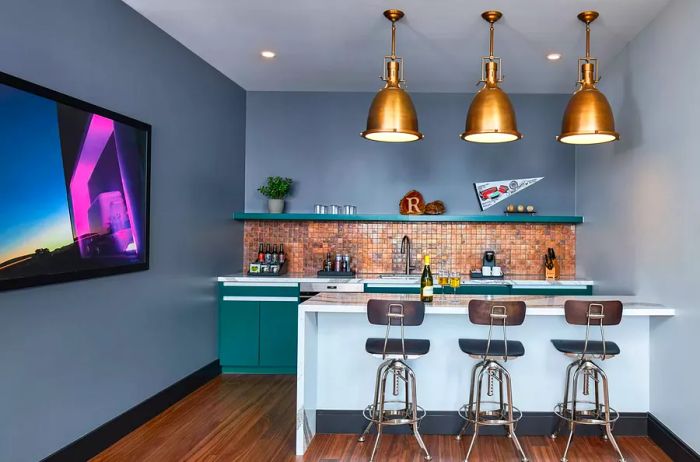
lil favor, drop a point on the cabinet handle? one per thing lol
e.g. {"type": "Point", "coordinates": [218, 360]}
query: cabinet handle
{"type": "Point", "coordinates": [331, 287]}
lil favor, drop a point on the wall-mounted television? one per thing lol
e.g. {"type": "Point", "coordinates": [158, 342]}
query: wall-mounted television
{"type": "Point", "coordinates": [74, 188]}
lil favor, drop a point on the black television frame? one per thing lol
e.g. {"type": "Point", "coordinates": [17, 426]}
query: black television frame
{"type": "Point", "coordinates": [44, 279]}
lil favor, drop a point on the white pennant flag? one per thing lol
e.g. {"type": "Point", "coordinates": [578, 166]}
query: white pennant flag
{"type": "Point", "coordinates": [491, 193]}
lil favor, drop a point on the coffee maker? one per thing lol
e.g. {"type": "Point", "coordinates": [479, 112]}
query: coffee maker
{"type": "Point", "coordinates": [489, 259]}
{"type": "Point", "coordinates": [489, 269]}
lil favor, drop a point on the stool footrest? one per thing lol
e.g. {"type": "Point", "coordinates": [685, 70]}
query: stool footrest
{"type": "Point", "coordinates": [589, 415]}
{"type": "Point", "coordinates": [403, 416]}
{"type": "Point", "coordinates": [493, 416]}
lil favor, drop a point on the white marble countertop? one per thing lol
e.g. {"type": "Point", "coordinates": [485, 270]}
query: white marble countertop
{"type": "Point", "coordinates": [537, 305]}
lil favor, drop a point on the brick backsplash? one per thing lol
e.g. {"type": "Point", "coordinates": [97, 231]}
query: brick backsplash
{"type": "Point", "coordinates": [375, 247]}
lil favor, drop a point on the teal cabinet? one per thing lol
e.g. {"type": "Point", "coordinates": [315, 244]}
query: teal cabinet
{"type": "Point", "coordinates": [278, 343]}
{"type": "Point", "coordinates": [391, 289]}
{"type": "Point", "coordinates": [482, 289]}
{"type": "Point", "coordinates": [552, 290]}
{"type": "Point", "coordinates": [258, 328]}
{"type": "Point", "coordinates": [239, 333]}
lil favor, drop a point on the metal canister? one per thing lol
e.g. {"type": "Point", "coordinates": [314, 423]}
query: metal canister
{"type": "Point", "coordinates": [334, 209]}
{"type": "Point", "coordinates": [338, 263]}
{"type": "Point", "coordinates": [320, 209]}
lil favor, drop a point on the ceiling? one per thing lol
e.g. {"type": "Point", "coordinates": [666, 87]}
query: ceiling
{"type": "Point", "coordinates": [332, 45]}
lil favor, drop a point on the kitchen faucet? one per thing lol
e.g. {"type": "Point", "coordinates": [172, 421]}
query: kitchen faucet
{"type": "Point", "coordinates": [406, 249]}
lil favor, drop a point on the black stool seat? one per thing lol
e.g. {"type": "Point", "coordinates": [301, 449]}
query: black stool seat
{"type": "Point", "coordinates": [414, 347]}
{"type": "Point", "coordinates": [477, 347]}
{"type": "Point", "coordinates": [593, 348]}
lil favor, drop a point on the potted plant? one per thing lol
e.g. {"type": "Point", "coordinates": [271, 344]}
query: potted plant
{"type": "Point", "coordinates": [276, 189]}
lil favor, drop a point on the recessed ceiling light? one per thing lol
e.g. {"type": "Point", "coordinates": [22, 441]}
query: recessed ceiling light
{"type": "Point", "coordinates": [268, 54]}
{"type": "Point", "coordinates": [554, 56]}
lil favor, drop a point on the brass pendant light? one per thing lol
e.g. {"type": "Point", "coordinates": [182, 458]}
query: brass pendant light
{"type": "Point", "coordinates": [392, 117]}
{"type": "Point", "coordinates": [491, 118]}
{"type": "Point", "coordinates": [588, 118]}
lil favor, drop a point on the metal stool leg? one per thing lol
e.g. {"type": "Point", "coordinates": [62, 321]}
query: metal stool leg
{"type": "Point", "coordinates": [558, 422]}
{"type": "Point", "coordinates": [477, 411]}
{"type": "Point", "coordinates": [414, 405]}
{"type": "Point", "coordinates": [572, 425]}
{"type": "Point", "coordinates": [380, 412]}
{"type": "Point", "coordinates": [511, 427]}
{"type": "Point", "coordinates": [501, 401]}
{"type": "Point", "coordinates": [380, 369]}
{"type": "Point", "coordinates": [471, 400]}
{"type": "Point", "coordinates": [608, 430]}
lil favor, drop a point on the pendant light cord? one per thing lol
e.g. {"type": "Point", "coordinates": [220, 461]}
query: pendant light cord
{"type": "Point", "coordinates": [393, 40]}
{"type": "Point", "coordinates": [491, 30]}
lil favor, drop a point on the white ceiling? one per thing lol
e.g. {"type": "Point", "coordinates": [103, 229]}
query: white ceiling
{"type": "Point", "coordinates": [332, 45]}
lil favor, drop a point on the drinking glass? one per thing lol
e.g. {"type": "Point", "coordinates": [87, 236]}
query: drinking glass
{"type": "Point", "coordinates": [444, 281]}
{"type": "Point", "coordinates": [455, 281]}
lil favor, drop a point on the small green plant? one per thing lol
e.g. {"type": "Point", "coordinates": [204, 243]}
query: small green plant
{"type": "Point", "coordinates": [276, 187]}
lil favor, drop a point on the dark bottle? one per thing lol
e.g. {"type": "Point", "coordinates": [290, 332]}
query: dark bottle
{"type": "Point", "coordinates": [268, 255]}
{"type": "Point", "coordinates": [328, 265]}
{"type": "Point", "coordinates": [261, 254]}
{"type": "Point", "coordinates": [343, 264]}
{"type": "Point", "coordinates": [274, 254]}
{"type": "Point", "coordinates": [426, 282]}
{"type": "Point", "coordinates": [281, 257]}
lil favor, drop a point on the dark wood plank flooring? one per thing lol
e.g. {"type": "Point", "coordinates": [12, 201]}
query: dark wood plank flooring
{"type": "Point", "coordinates": [251, 418]}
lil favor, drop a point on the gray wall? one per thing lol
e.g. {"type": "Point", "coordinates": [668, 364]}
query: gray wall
{"type": "Point", "coordinates": [75, 355]}
{"type": "Point", "coordinates": [640, 200]}
{"type": "Point", "coordinates": [314, 139]}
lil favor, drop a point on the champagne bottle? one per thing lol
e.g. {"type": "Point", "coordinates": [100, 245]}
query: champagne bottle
{"type": "Point", "coordinates": [426, 282]}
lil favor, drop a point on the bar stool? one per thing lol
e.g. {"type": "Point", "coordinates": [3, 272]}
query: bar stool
{"type": "Point", "coordinates": [488, 412]}
{"type": "Point", "coordinates": [395, 352]}
{"type": "Point", "coordinates": [586, 412]}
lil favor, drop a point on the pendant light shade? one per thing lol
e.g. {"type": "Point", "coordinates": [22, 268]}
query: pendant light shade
{"type": "Point", "coordinates": [491, 117]}
{"type": "Point", "coordinates": [392, 117]}
{"type": "Point", "coordinates": [588, 118]}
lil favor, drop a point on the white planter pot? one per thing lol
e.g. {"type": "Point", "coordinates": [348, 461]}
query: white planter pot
{"type": "Point", "coordinates": [275, 205]}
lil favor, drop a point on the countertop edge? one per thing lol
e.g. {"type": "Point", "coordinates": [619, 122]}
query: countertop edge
{"type": "Point", "coordinates": [390, 282]}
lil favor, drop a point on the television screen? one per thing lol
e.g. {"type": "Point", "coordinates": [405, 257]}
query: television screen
{"type": "Point", "coordinates": [74, 188]}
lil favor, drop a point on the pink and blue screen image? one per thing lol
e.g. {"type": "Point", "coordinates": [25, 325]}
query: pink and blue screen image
{"type": "Point", "coordinates": [72, 188]}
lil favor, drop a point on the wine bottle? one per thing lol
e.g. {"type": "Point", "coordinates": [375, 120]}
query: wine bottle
{"type": "Point", "coordinates": [274, 254]}
{"type": "Point", "coordinates": [281, 257]}
{"type": "Point", "coordinates": [268, 255]}
{"type": "Point", "coordinates": [426, 282]}
{"type": "Point", "coordinates": [261, 254]}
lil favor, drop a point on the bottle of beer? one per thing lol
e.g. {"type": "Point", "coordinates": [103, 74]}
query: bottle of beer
{"type": "Point", "coordinates": [426, 282]}
{"type": "Point", "coordinates": [281, 257]}
{"type": "Point", "coordinates": [268, 255]}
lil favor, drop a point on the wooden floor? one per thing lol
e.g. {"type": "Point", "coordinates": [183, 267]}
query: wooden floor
{"type": "Point", "coordinates": [251, 418]}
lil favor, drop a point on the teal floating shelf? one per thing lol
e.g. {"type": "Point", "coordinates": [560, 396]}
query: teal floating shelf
{"type": "Point", "coordinates": [243, 216]}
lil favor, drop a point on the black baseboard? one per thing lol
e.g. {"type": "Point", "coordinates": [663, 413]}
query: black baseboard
{"type": "Point", "coordinates": [109, 433]}
{"type": "Point", "coordinates": [449, 423]}
{"type": "Point", "coordinates": [664, 438]}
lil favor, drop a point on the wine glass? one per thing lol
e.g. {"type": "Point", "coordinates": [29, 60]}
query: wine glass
{"type": "Point", "coordinates": [444, 281]}
{"type": "Point", "coordinates": [455, 282]}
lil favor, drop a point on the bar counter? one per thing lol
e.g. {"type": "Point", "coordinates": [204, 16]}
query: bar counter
{"type": "Point", "coordinates": [335, 376]}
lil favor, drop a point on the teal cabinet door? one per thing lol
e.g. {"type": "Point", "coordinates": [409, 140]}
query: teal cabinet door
{"type": "Point", "coordinates": [552, 290]}
{"type": "Point", "coordinates": [278, 334]}
{"type": "Point", "coordinates": [483, 289]}
{"type": "Point", "coordinates": [239, 333]}
{"type": "Point", "coordinates": [391, 289]}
